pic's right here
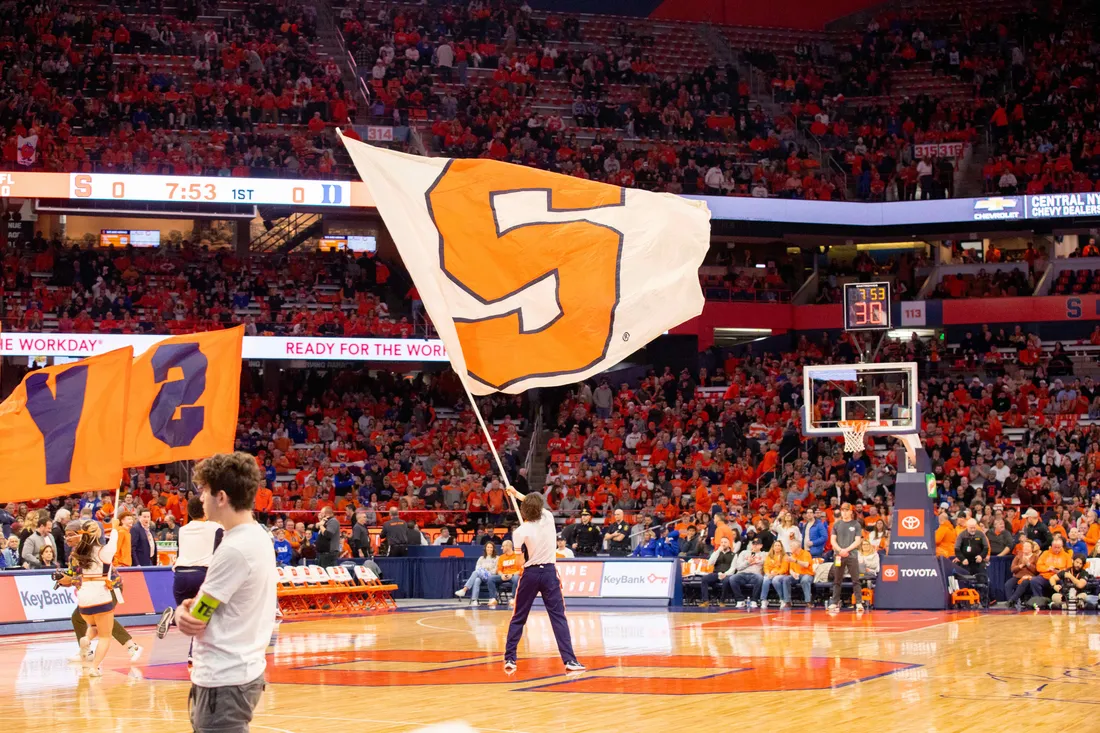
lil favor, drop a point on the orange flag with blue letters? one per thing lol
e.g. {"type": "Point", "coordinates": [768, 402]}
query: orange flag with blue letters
{"type": "Point", "coordinates": [61, 429]}
{"type": "Point", "coordinates": [184, 398]}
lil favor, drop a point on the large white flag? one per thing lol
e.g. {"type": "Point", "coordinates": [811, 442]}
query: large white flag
{"type": "Point", "coordinates": [535, 278]}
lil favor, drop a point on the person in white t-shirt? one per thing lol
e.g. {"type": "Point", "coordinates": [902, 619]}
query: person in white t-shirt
{"type": "Point", "coordinates": [233, 614]}
{"type": "Point", "coordinates": [196, 543]}
{"type": "Point", "coordinates": [536, 538]}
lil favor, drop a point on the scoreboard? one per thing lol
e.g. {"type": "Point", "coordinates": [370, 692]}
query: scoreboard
{"type": "Point", "coordinates": [185, 189]}
{"type": "Point", "coordinates": [129, 237]}
{"type": "Point", "coordinates": [348, 243]}
{"type": "Point", "coordinates": [867, 307]}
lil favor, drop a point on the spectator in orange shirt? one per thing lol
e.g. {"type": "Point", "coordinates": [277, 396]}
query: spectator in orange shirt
{"type": "Point", "coordinates": [495, 501]}
{"type": "Point", "coordinates": [123, 556]}
{"type": "Point", "coordinates": [263, 503]}
{"type": "Point", "coordinates": [802, 572]}
{"type": "Point", "coordinates": [1050, 562]}
{"type": "Point", "coordinates": [777, 572]}
{"type": "Point", "coordinates": [722, 530]}
{"type": "Point", "coordinates": [945, 536]}
{"type": "Point", "coordinates": [509, 564]}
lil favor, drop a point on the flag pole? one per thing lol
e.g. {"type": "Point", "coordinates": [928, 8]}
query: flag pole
{"type": "Point", "coordinates": [489, 439]}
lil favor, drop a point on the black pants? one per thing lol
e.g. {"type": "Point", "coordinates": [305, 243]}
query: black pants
{"type": "Point", "coordinates": [1016, 591]}
{"type": "Point", "coordinates": [399, 550]}
{"type": "Point", "coordinates": [327, 559]}
{"type": "Point", "coordinates": [540, 580]}
{"type": "Point", "coordinates": [186, 582]}
{"type": "Point", "coordinates": [851, 564]}
{"type": "Point", "coordinates": [708, 580]}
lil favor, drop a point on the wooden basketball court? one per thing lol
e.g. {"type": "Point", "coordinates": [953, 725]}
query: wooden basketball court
{"type": "Point", "coordinates": [648, 671]}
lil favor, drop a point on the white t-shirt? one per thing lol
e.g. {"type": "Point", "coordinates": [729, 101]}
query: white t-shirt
{"type": "Point", "coordinates": [540, 538]}
{"type": "Point", "coordinates": [232, 650]}
{"type": "Point", "coordinates": [196, 544]}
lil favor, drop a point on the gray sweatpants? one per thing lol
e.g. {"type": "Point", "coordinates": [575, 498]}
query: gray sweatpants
{"type": "Point", "coordinates": [224, 709]}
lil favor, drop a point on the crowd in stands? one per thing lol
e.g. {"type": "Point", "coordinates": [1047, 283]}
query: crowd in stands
{"type": "Point", "coordinates": [1026, 74]}
{"type": "Point", "coordinates": [82, 289]}
{"type": "Point", "coordinates": [102, 90]}
{"type": "Point", "coordinates": [844, 94]}
{"type": "Point", "coordinates": [334, 442]}
{"type": "Point", "coordinates": [1044, 131]}
{"type": "Point", "coordinates": [633, 123]}
{"type": "Point", "coordinates": [729, 277]}
{"type": "Point", "coordinates": [248, 94]}
{"type": "Point", "coordinates": [708, 454]}
{"type": "Point", "coordinates": [983, 284]}
{"type": "Point", "coordinates": [665, 449]}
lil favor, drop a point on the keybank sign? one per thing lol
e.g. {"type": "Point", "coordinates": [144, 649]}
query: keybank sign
{"type": "Point", "coordinates": [45, 598]}
{"type": "Point", "coordinates": [637, 579]}
{"type": "Point", "coordinates": [41, 602]}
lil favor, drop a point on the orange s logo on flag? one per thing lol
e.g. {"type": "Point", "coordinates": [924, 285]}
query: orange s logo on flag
{"type": "Point", "coordinates": [184, 395]}
{"type": "Point", "coordinates": [534, 278]}
{"type": "Point", "coordinates": [61, 429]}
{"type": "Point", "coordinates": [580, 256]}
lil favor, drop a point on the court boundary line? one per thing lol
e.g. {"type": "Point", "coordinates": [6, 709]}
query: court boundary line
{"type": "Point", "coordinates": [293, 716]}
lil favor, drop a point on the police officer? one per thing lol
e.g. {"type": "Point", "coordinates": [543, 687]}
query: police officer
{"type": "Point", "coordinates": [618, 536]}
{"type": "Point", "coordinates": [586, 538]}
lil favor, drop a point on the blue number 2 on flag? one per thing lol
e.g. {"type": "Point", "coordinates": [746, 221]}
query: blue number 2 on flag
{"type": "Point", "coordinates": [57, 415]}
{"type": "Point", "coordinates": [180, 395]}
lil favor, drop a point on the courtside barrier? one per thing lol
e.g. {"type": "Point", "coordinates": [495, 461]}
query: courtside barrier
{"type": "Point", "coordinates": [30, 603]}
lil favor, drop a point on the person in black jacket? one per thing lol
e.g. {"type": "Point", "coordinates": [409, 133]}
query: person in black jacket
{"type": "Point", "coordinates": [1036, 530]}
{"type": "Point", "coordinates": [328, 538]}
{"type": "Point", "coordinates": [618, 536]}
{"type": "Point", "coordinates": [143, 548]}
{"type": "Point", "coordinates": [395, 533]}
{"type": "Point", "coordinates": [59, 521]}
{"type": "Point", "coordinates": [721, 561]}
{"type": "Point", "coordinates": [690, 546]}
{"type": "Point", "coordinates": [360, 537]}
{"type": "Point", "coordinates": [972, 554]}
{"type": "Point", "coordinates": [587, 537]}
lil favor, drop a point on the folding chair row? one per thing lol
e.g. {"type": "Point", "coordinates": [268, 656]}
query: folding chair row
{"type": "Point", "coordinates": [312, 590]}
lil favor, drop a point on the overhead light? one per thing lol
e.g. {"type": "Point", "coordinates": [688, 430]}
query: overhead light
{"type": "Point", "coordinates": [742, 331]}
{"type": "Point", "coordinates": [904, 334]}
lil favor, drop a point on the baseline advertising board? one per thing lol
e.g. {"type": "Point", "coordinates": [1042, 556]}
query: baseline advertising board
{"type": "Point", "coordinates": [254, 347]}
{"type": "Point", "coordinates": [617, 578]}
{"type": "Point", "coordinates": [30, 596]}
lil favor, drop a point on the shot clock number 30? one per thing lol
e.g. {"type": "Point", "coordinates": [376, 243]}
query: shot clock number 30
{"type": "Point", "coordinates": [867, 306]}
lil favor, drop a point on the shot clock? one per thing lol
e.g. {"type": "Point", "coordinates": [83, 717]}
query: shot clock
{"type": "Point", "coordinates": [867, 307]}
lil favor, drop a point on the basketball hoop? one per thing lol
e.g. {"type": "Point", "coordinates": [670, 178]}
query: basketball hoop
{"type": "Point", "coordinates": [855, 432]}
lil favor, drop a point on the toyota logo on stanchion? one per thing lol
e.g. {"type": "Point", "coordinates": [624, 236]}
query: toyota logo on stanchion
{"type": "Point", "coordinates": [910, 522]}
{"type": "Point", "coordinates": [890, 573]}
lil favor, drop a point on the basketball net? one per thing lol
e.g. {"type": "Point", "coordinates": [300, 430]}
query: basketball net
{"type": "Point", "coordinates": [855, 432]}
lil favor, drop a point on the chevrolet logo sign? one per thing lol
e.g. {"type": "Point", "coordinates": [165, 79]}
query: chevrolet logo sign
{"type": "Point", "coordinates": [998, 203]}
